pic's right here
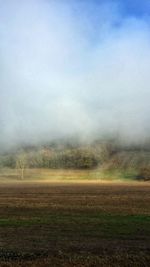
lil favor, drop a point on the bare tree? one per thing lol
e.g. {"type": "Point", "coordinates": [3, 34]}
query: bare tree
{"type": "Point", "coordinates": [21, 164]}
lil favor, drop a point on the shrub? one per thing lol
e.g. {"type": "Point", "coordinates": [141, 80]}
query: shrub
{"type": "Point", "coordinates": [144, 174]}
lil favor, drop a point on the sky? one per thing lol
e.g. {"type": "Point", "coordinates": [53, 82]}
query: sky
{"type": "Point", "coordinates": [74, 67]}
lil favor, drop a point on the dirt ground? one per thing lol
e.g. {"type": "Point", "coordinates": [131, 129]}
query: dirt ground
{"type": "Point", "coordinates": [75, 224]}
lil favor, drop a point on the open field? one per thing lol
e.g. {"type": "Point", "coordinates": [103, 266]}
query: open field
{"type": "Point", "coordinates": [74, 224]}
{"type": "Point", "coordinates": [13, 176]}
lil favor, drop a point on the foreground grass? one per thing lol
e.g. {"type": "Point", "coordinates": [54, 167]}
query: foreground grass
{"type": "Point", "coordinates": [83, 224]}
{"type": "Point", "coordinates": [65, 260]}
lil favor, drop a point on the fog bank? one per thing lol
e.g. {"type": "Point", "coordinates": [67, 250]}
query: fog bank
{"type": "Point", "coordinates": [72, 68]}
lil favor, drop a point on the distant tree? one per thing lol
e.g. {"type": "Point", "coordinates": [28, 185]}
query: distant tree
{"type": "Point", "coordinates": [21, 164]}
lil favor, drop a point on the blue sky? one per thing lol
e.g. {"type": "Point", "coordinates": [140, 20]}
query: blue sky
{"type": "Point", "coordinates": [135, 7]}
{"type": "Point", "coordinates": [128, 7]}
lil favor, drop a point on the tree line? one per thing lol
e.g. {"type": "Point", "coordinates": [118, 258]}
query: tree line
{"type": "Point", "coordinates": [68, 158]}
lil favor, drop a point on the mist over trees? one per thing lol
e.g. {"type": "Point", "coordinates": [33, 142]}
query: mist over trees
{"type": "Point", "coordinates": [71, 154]}
{"type": "Point", "coordinates": [57, 156]}
{"type": "Point", "coordinates": [69, 70]}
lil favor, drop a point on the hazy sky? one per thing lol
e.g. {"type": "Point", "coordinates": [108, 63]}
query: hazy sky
{"type": "Point", "coordinates": [74, 67]}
